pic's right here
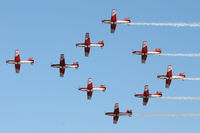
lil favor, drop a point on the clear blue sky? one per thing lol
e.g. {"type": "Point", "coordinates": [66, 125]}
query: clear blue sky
{"type": "Point", "coordinates": [38, 101]}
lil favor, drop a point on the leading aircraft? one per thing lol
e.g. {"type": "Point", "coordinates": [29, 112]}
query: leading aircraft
{"type": "Point", "coordinates": [87, 44]}
{"type": "Point", "coordinates": [17, 61]}
{"type": "Point", "coordinates": [62, 65]}
{"type": "Point", "coordinates": [90, 88]}
{"type": "Point", "coordinates": [113, 21]}
{"type": "Point", "coordinates": [144, 52]}
{"type": "Point", "coordinates": [169, 76]}
{"type": "Point", "coordinates": [146, 95]}
{"type": "Point", "coordinates": [117, 113]}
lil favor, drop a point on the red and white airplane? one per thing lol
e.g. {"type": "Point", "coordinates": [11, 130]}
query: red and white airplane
{"type": "Point", "coordinates": [90, 88]}
{"type": "Point", "coordinates": [146, 95]}
{"type": "Point", "coordinates": [113, 21]}
{"type": "Point", "coordinates": [17, 61]}
{"type": "Point", "coordinates": [87, 45]}
{"type": "Point", "coordinates": [117, 113]}
{"type": "Point", "coordinates": [145, 52]}
{"type": "Point", "coordinates": [169, 76]}
{"type": "Point", "coordinates": [62, 65]}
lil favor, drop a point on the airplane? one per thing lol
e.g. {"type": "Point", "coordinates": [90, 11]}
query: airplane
{"type": "Point", "coordinates": [146, 95]}
{"type": "Point", "coordinates": [87, 45]}
{"type": "Point", "coordinates": [62, 65]}
{"type": "Point", "coordinates": [113, 21]}
{"type": "Point", "coordinates": [169, 76]}
{"type": "Point", "coordinates": [90, 88]}
{"type": "Point", "coordinates": [117, 113]}
{"type": "Point", "coordinates": [145, 52]}
{"type": "Point", "coordinates": [17, 61]}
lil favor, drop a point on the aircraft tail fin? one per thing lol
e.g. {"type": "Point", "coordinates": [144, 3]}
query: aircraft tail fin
{"type": "Point", "coordinates": [158, 50]}
{"type": "Point", "coordinates": [76, 64]}
{"type": "Point", "coordinates": [158, 93]}
{"type": "Point", "coordinates": [182, 74]}
{"type": "Point", "coordinates": [128, 19]}
{"type": "Point", "coordinates": [101, 43]}
{"type": "Point", "coordinates": [32, 60]}
{"type": "Point", "coordinates": [129, 112]}
{"type": "Point", "coordinates": [103, 87]}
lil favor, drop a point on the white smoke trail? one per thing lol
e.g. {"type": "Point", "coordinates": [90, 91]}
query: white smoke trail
{"type": "Point", "coordinates": [179, 54]}
{"type": "Point", "coordinates": [181, 98]}
{"type": "Point", "coordinates": [170, 115]}
{"type": "Point", "coordinates": [191, 79]}
{"type": "Point", "coordinates": [168, 24]}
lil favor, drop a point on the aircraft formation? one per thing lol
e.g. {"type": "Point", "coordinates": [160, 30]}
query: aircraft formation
{"type": "Point", "coordinates": [87, 45]}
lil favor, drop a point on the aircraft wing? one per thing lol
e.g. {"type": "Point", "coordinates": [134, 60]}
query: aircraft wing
{"type": "Point", "coordinates": [116, 108]}
{"type": "Point", "coordinates": [115, 119]}
{"type": "Point", "coordinates": [168, 82]}
{"type": "Point", "coordinates": [144, 57]}
{"type": "Point", "coordinates": [62, 60]}
{"type": "Point", "coordinates": [145, 101]}
{"type": "Point", "coordinates": [146, 90]}
{"type": "Point", "coordinates": [17, 68]}
{"type": "Point", "coordinates": [113, 27]}
{"type": "Point", "coordinates": [17, 55]}
{"type": "Point", "coordinates": [89, 84]}
{"type": "Point", "coordinates": [87, 51]}
{"type": "Point", "coordinates": [62, 72]}
{"type": "Point", "coordinates": [89, 95]}
{"type": "Point", "coordinates": [169, 71]}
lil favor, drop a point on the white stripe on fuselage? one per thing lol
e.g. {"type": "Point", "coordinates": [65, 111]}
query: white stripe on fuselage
{"type": "Point", "coordinates": [148, 53]}
{"type": "Point", "coordinates": [117, 22]}
{"type": "Point", "coordinates": [152, 52]}
{"type": "Point", "coordinates": [20, 62]}
{"type": "Point", "coordinates": [122, 22]}
{"type": "Point", "coordinates": [149, 96]}
{"type": "Point", "coordinates": [177, 77]}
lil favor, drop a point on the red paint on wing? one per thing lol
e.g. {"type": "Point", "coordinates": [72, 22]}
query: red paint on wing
{"type": "Point", "coordinates": [169, 71]}
{"type": "Point", "coordinates": [114, 15]}
{"type": "Point", "coordinates": [168, 82]}
{"type": "Point", "coordinates": [115, 119]}
{"type": "Point", "coordinates": [17, 55]}
{"type": "Point", "coordinates": [87, 38]}
{"type": "Point", "coordinates": [62, 60]}
{"type": "Point", "coordinates": [62, 72]}
{"type": "Point", "coordinates": [17, 68]}
{"type": "Point", "coordinates": [144, 47]}
{"type": "Point", "coordinates": [113, 27]}
{"type": "Point", "coordinates": [87, 51]}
